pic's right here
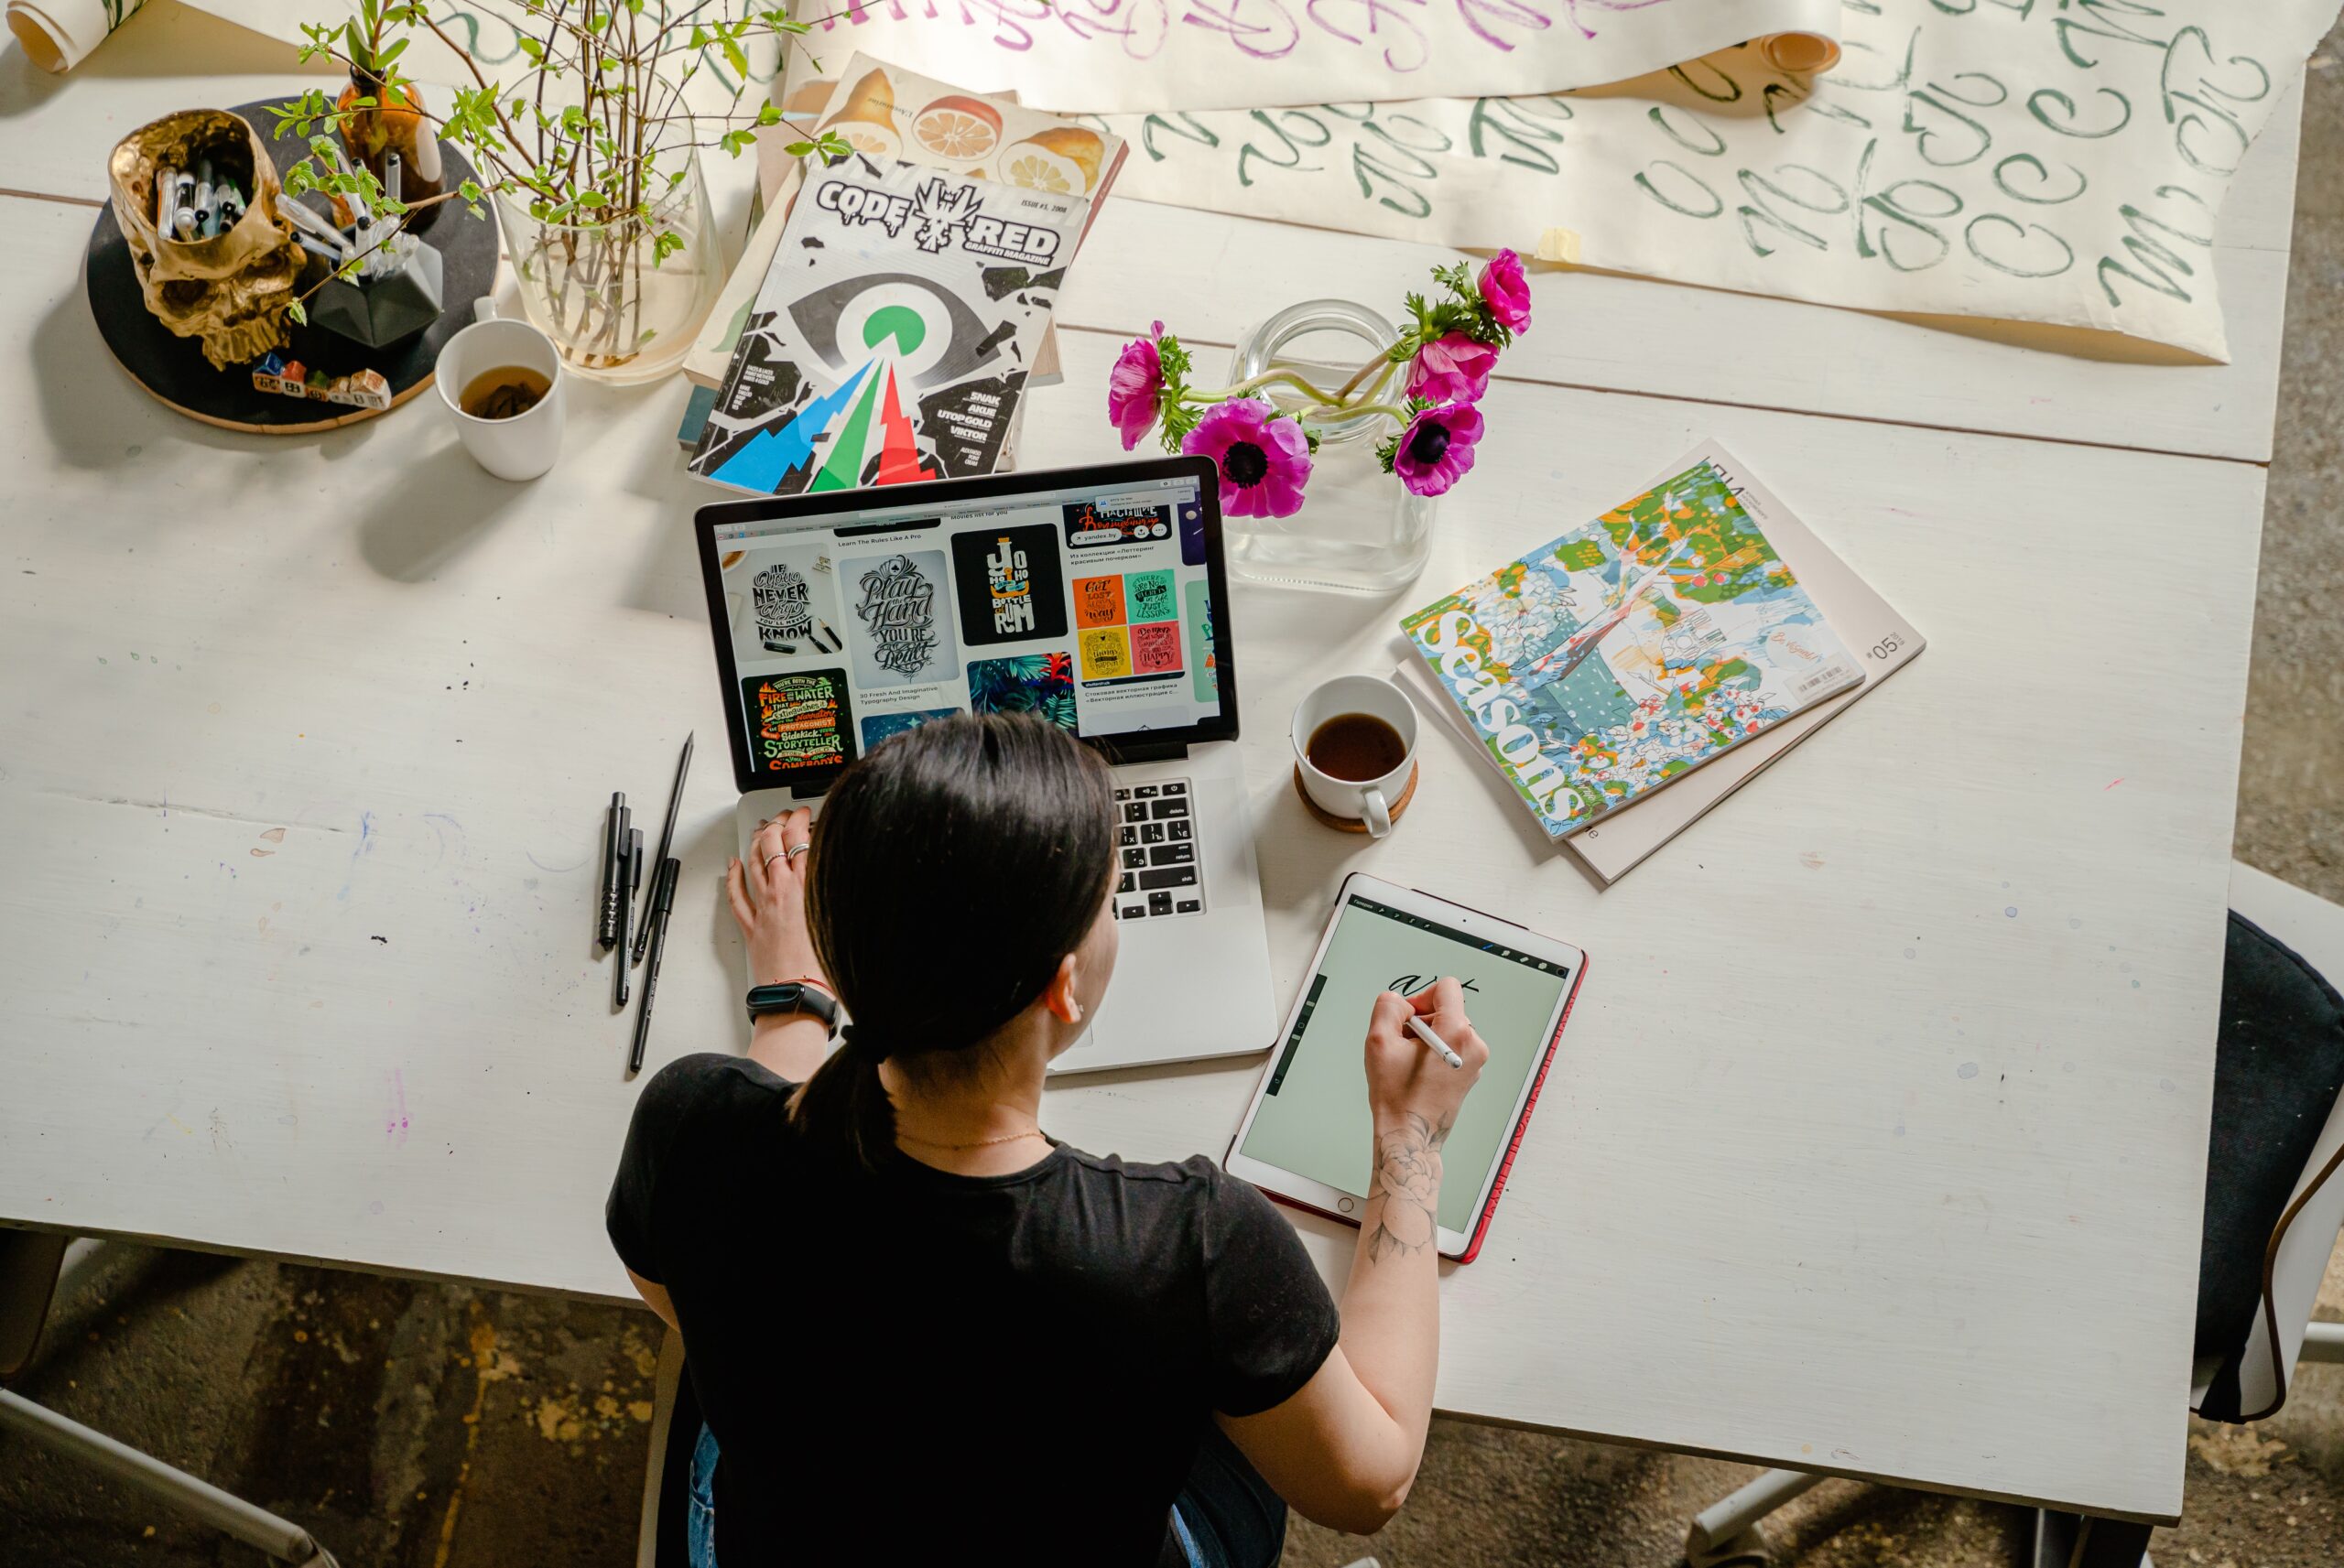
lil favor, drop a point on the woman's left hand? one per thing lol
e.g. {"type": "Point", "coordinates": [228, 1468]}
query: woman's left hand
{"type": "Point", "coordinates": [769, 896]}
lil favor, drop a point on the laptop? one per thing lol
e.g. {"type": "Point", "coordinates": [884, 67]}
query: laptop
{"type": "Point", "coordinates": [1095, 598]}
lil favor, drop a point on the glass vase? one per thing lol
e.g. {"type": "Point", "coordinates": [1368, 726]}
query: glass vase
{"type": "Point", "coordinates": [1358, 531]}
{"type": "Point", "coordinates": [620, 311]}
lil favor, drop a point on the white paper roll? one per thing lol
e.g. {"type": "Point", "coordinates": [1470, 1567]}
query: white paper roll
{"type": "Point", "coordinates": [60, 34]}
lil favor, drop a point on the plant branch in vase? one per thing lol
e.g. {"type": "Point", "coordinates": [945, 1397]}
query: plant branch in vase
{"type": "Point", "coordinates": [1263, 431]}
{"type": "Point", "coordinates": [590, 155]}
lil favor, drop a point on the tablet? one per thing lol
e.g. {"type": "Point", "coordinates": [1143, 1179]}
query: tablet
{"type": "Point", "coordinates": [1306, 1137]}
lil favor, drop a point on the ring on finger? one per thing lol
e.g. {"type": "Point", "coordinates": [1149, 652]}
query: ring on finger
{"type": "Point", "coordinates": [776, 855]}
{"type": "Point", "coordinates": [795, 851]}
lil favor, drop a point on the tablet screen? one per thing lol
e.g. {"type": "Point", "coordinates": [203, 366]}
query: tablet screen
{"type": "Point", "coordinates": [1313, 1119]}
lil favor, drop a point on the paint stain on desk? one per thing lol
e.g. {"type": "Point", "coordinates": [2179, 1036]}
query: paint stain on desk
{"type": "Point", "coordinates": [395, 1124]}
{"type": "Point", "coordinates": [358, 851]}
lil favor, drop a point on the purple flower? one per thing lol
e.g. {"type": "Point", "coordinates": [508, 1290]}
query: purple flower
{"type": "Point", "coordinates": [1437, 448]}
{"type": "Point", "coordinates": [1451, 368]}
{"type": "Point", "coordinates": [1263, 463]}
{"type": "Point", "coordinates": [1133, 387]}
{"type": "Point", "coordinates": [1506, 292]}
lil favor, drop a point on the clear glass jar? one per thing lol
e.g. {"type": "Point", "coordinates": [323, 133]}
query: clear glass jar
{"type": "Point", "coordinates": [1358, 531]}
{"type": "Point", "coordinates": [617, 310]}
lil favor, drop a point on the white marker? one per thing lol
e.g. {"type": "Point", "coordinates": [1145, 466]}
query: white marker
{"type": "Point", "coordinates": [1417, 1027]}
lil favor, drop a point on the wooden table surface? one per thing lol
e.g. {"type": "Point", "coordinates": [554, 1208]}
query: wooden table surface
{"type": "Point", "coordinates": [1877, 1142]}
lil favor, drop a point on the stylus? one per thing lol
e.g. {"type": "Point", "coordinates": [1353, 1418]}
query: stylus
{"type": "Point", "coordinates": [606, 923]}
{"type": "Point", "coordinates": [663, 903]}
{"type": "Point", "coordinates": [627, 886]}
{"type": "Point", "coordinates": [666, 842]}
{"type": "Point", "coordinates": [1417, 1027]}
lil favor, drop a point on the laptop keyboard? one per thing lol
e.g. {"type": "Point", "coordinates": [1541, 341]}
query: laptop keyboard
{"type": "Point", "coordinates": [1155, 852]}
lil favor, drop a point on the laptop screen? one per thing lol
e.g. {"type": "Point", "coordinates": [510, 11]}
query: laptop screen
{"type": "Point", "coordinates": [1085, 597]}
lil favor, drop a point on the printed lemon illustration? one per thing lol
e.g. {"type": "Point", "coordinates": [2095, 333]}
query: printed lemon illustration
{"type": "Point", "coordinates": [1062, 158]}
{"type": "Point", "coordinates": [866, 120]}
{"type": "Point", "coordinates": [961, 129]}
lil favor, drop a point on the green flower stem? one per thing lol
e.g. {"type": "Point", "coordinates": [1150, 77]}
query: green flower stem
{"type": "Point", "coordinates": [1254, 383]}
{"type": "Point", "coordinates": [1353, 410]}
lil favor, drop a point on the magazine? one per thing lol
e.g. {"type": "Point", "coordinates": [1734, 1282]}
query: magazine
{"type": "Point", "coordinates": [894, 333]}
{"type": "Point", "coordinates": [1620, 657]}
{"type": "Point", "coordinates": [1865, 620]}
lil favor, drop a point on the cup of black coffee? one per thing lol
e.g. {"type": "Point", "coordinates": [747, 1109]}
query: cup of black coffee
{"type": "Point", "coordinates": [1355, 749]}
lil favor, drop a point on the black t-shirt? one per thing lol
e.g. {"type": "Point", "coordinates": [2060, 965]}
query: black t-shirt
{"type": "Point", "coordinates": [910, 1364]}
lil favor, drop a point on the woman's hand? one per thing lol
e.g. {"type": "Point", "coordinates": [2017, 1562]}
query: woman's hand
{"type": "Point", "coordinates": [769, 896]}
{"type": "Point", "coordinates": [1406, 1080]}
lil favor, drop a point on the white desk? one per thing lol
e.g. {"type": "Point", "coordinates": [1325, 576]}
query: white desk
{"type": "Point", "coordinates": [1881, 1120]}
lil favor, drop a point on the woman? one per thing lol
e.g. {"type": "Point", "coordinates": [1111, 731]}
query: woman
{"type": "Point", "coordinates": [920, 1330]}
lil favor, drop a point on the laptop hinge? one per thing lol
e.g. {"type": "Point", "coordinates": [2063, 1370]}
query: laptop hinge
{"type": "Point", "coordinates": [1119, 751]}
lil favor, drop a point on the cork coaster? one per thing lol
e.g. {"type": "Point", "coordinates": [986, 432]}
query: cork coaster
{"type": "Point", "coordinates": [1352, 824]}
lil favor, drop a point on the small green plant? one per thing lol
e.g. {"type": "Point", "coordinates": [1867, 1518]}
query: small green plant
{"type": "Point", "coordinates": [592, 139]}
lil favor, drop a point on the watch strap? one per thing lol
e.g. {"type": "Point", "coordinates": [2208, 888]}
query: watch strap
{"type": "Point", "coordinates": [793, 995]}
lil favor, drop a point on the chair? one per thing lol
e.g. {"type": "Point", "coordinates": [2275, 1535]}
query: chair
{"type": "Point", "coordinates": [36, 1270]}
{"type": "Point", "coordinates": [2273, 1212]}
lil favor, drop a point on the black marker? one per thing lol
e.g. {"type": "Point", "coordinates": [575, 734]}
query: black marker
{"type": "Point", "coordinates": [615, 847]}
{"type": "Point", "coordinates": [666, 842]}
{"type": "Point", "coordinates": [662, 903]}
{"type": "Point", "coordinates": [628, 884]}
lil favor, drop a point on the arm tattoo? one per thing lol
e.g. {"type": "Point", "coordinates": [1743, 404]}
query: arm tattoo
{"type": "Point", "coordinates": [1404, 1191]}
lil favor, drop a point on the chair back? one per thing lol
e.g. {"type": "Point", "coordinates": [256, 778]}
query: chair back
{"type": "Point", "coordinates": [2251, 1381]}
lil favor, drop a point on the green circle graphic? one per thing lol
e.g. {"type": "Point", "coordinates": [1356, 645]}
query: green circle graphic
{"type": "Point", "coordinates": [900, 323]}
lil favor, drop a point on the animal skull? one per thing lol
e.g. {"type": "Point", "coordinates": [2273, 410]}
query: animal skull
{"type": "Point", "coordinates": [229, 292]}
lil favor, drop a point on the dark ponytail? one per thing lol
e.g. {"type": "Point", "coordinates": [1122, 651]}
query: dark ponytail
{"type": "Point", "coordinates": [954, 869]}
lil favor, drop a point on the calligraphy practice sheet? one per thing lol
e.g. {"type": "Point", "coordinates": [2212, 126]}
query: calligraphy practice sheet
{"type": "Point", "coordinates": [2018, 158]}
{"type": "Point", "coordinates": [1113, 55]}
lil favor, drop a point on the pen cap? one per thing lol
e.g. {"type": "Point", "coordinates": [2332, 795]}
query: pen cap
{"type": "Point", "coordinates": [663, 887]}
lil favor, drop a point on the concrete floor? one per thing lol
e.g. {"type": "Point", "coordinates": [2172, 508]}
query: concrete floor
{"type": "Point", "coordinates": [424, 1426]}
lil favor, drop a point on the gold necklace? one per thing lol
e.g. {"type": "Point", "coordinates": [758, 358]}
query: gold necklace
{"type": "Point", "coordinates": [980, 1144]}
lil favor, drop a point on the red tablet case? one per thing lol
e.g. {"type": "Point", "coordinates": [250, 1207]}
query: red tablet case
{"type": "Point", "coordinates": [1513, 1144]}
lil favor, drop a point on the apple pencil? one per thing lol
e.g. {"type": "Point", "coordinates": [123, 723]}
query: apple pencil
{"type": "Point", "coordinates": [1417, 1027]}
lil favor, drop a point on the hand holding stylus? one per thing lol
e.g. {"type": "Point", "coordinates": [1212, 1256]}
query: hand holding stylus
{"type": "Point", "coordinates": [1405, 1079]}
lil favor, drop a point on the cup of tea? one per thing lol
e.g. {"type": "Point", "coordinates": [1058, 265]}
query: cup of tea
{"type": "Point", "coordinates": [503, 384]}
{"type": "Point", "coordinates": [1355, 750]}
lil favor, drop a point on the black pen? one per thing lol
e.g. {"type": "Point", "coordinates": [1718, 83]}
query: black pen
{"type": "Point", "coordinates": [663, 903]}
{"type": "Point", "coordinates": [614, 846]}
{"type": "Point", "coordinates": [666, 842]}
{"type": "Point", "coordinates": [627, 887]}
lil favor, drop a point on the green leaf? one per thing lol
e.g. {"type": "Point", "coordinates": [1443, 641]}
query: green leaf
{"type": "Point", "coordinates": [469, 191]}
{"type": "Point", "coordinates": [300, 317]}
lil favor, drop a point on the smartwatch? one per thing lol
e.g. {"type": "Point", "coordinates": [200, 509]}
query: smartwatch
{"type": "Point", "coordinates": [793, 995]}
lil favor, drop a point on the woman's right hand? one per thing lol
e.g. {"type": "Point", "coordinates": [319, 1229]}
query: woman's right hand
{"type": "Point", "coordinates": [1406, 1078]}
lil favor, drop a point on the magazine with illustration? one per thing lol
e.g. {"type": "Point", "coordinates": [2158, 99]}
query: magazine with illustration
{"type": "Point", "coordinates": [1631, 651]}
{"type": "Point", "coordinates": [894, 333]}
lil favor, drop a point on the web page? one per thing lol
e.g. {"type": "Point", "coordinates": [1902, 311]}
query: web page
{"type": "Point", "coordinates": [1088, 608]}
{"type": "Point", "coordinates": [1314, 1119]}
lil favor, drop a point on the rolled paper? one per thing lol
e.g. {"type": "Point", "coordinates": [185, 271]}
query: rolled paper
{"type": "Point", "coordinates": [166, 189]}
{"type": "Point", "coordinates": [58, 35]}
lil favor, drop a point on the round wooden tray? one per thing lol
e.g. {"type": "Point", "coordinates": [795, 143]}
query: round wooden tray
{"type": "Point", "coordinates": [174, 370]}
{"type": "Point", "coordinates": [1353, 823]}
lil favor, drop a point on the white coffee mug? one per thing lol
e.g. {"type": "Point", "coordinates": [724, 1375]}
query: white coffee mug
{"type": "Point", "coordinates": [526, 445]}
{"type": "Point", "coordinates": [1363, 800]}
